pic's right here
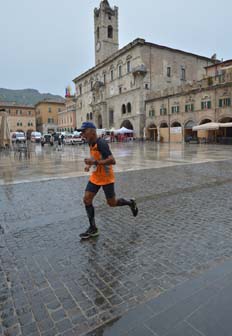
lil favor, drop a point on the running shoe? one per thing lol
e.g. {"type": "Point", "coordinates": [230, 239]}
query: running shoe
{"type": "Point", "coordinates": [90, 233]}
{"type": "Point", "coordinates": [134, 207]}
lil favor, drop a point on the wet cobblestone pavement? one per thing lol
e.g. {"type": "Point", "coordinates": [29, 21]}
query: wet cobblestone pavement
{"type": "Point", "coordinates": [53, 284]}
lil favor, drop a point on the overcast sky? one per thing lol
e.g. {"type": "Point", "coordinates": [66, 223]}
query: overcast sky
{"type": "Point", "coordinates": [45, 44]}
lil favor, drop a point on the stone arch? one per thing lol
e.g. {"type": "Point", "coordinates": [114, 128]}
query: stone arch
{"type": "Point", "coordinates": [189, 134]}
{"type": "Point", "coordinates": [163, 131]}
{"type": "Point", "coordinates": [152, 133]}
{"type": "Point", "coordinates": [163, 124]}
{"type": "Point", "coordinates": [225, 119]}
{"type": "Point", "coordinates": [176, 124]}
{"type": "Point", "coordinates": [224, 135]}
{"type": "Point", "coordinates": [189, 124]}
{"type": "Point", "coordinates": [175, 132]}
{"type": "Point", "coordinates": [205, 121]}
{"type": "Point", "coordinates": [127, 124]}
{"type": "Point", "coordinates": [206, 135]}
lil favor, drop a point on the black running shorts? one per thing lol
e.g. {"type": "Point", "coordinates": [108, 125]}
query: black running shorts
{"type": "Point", "coordinates": [108, 189]}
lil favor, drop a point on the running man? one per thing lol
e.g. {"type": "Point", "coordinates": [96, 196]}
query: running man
{"type": "Point", "coordinates": [101, 162]}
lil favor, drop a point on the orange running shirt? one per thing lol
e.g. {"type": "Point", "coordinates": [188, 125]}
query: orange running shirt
{"type": "Point", "coordinates": [101, 175]}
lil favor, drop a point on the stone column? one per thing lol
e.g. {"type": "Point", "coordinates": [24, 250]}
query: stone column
{"type": "Point", "coordinates": [158, 134]}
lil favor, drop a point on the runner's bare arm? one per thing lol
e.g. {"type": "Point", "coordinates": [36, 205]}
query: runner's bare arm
{"type": "Point", "coordinates": [109, 161]}
{"type": "Point", "coordinates": [87, 168]}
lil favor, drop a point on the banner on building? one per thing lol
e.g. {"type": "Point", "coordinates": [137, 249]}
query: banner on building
{"type": "Point", "coordinates": [176, 130]}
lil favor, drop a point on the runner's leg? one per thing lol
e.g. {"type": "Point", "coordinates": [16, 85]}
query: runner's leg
{"type": "Point", "coordinates": [88, 201]}
{"type": "Point", "coordinates": [113, 202]}
{"type": "Point", "coordinates": [90, 193]}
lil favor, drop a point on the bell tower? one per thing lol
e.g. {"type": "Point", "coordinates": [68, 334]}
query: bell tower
{"type": "Point", "coordinates": [106, 31]}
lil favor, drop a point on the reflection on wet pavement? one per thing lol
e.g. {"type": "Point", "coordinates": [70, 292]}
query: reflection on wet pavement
{"type": "Point", "coordinates": [48, 163]}
{"type": "Point", "coordinates": [53, 284]}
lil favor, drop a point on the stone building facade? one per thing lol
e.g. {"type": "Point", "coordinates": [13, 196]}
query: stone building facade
{"type": "Point", "coordinates": [47, 115]}
{"type": "Point", "coordinates": [67, 116]}
{"type": "Point", "coordinates": [172, 113]}
{"type": "Point", "coordinates": [114, 91]}
{"type": "Point", "coordinates": [20, 117]}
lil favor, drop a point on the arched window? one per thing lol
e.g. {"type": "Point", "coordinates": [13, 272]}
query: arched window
{"type": "Point", "coordinates": [99, 121]}
{"type": "Point", "coordinates": [87, 117]}
{"type": "Point", "coordinates": [123, 109]}
{"type": "Point", "coordinates": [129, 107]}
{"type": "Point", "coordinates": [110, 32]}
{"type": "Point", "coordinates": [120, 71]}
{"type": "Point", "coordinates": [91, 116]}
{"type": "Point", "coordinates": [111, 117]}
{"type": "Point", "coordinates": [112, 75]}
{"type": "Point", "coordinates": [98, 33]}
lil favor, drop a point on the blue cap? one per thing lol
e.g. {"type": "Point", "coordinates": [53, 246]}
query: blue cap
{"type": "Point", "coordinates": [85, 125]}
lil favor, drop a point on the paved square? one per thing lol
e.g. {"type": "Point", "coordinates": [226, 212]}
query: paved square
{"type": "Point", "coordinates": [53, 284]}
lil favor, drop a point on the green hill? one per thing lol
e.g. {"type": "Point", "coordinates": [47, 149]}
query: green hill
{"type": "Point", "coordinates": [26, 97]}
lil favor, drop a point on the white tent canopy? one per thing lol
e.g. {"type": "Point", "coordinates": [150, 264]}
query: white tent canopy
{"type": "Point", "coordinates": [123, 130]}
{"type": "Point", "coordinates": [207, 127]}
{"type": "Point", "coordinates": [229, 124]}
{"type": "Point", "coordinates": [211, 126]}
{"type": "Point", "coordinates": [101, 131]}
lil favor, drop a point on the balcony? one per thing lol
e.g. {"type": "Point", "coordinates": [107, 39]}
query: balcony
{"type": "Point", "coordinates": [140, 70]}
